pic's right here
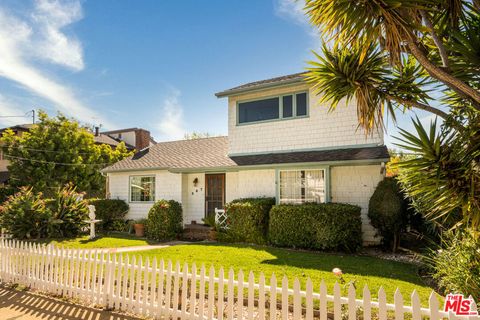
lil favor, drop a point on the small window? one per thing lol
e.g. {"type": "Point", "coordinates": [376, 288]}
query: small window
{"type": "Point", "coordinates": [142, 188]}
{"type": "Point", "coordinates": [301, 104]}
{"type": "Point", "coordinates": [300, 186]}
{"type": "Point", "coordinates": [259, 110]}
{"type": "Point", "coordinates": [287, 106]}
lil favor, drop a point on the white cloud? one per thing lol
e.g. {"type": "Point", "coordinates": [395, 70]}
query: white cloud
{"type": "Point", "coordinates": [171, 125]}
{"type": "Point", "coordinates": [291, 10]}
{"type": "Point", "coordinates": [22, 41]}
{"type": "Point", "coordinates": [10, 108]}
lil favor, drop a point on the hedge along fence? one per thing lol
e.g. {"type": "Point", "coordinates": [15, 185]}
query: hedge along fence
{"type": "Point", "coordinates": [248, 220]}
{"type": "Point", "coordinates": [325, 226]}
{"type": "Point", "coordinates": [165, 220]}
{"type": "Point", "coordinates": [111, 212]}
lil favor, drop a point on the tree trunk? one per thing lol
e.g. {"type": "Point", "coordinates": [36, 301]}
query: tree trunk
{"type": "Point", "coordinates": [456, 84]}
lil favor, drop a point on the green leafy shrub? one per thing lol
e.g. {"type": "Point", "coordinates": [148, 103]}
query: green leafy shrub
{"type": "Point", "coordinates": [69, 213]}
{"type": "Point", "coordinates": [324, 226]}
{"type": "Point", "coordinates": [25, 215]}
{"type": "Point", "coordinates": [164, 220]}
{"type": "Point", "coordinates": [388, 212]}
{"type": "Point", "coordinates": [456, 265]}
{"type": "Point", "coordinates": [247, 220]}
{"type": "Point", "coordinates": [112, 213]}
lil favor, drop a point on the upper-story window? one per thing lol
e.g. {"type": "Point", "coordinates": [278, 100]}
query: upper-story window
{"type": "Point", "coordinates": [274, 108]}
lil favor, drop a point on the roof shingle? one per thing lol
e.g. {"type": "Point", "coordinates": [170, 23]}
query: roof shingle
{"type": "Point", "coordinates": [212, 153]}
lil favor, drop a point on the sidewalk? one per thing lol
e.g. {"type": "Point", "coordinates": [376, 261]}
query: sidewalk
{"type": "Point", "coordinates": [23, 305]}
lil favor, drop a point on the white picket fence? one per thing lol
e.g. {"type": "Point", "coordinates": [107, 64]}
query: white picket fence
{"type": "Point", "coordinates": [158, 289]}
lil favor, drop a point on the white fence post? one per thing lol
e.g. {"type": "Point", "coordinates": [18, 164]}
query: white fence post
{"type": "Point", "coordinates": [156, 290]}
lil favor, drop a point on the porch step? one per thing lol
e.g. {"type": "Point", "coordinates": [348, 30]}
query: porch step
{"type": "Point", "coordinates": [196, 232]}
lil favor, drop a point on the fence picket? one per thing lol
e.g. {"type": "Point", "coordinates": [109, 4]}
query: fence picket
{"type": "Point", "coordinates": [337, 303]}
{"type": "Point", "coordinates": [382, 304]}
{"type": "Point", "coordinates": [261, 296]}
{"type": "Point", "coordinates": [367, 306]}
{"type": "Point", "coordinates": [398, 302]}
{"type": "Point", "coordinates": [230, 301]}
{"type": "Point", "coordinates": [416, 314]}
{"type": "Point", "coordinates": [323, 301]}
{"type": "Point", "coordinates": [273, 297]}
{"type": "Point", "coordinates": [157, 291]}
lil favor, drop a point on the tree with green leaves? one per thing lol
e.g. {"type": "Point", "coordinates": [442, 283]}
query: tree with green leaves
{"type": "Point", "coordinates": [59, 151]}
{"type": "Point", "coordinates": [400, 55]}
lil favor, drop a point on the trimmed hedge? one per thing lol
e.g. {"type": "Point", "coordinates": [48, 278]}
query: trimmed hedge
{"type": "Point", "coordinates": [164, 221]}
{"type": "Point", "coordinates": [112, 213]}
{"type": "Point", "coordinates": [248, 220]}
{"type": "Point", "coordinates": [325, 226]}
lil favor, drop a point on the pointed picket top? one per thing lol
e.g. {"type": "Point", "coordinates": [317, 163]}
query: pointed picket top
{"type": "Point", "coordinates": [202, 270]}
{"type": "Point", "coordinates": [140, 261]}
{"type": "Point", "coordinates": [309, 299]}
{"type": "Point", "coordinates": [382, 304]}
{"type": "Point", "coordinates": [434, 306]}
{"type": "Point", "coordinates": [251, 277]}
{"type": "Point", "coordinates": [147, 262]}
{"type": "Point", "coordinates": [367, 303]}
{"type": "Point", "coordinates": [240, 275]}
{"type": "Point", "coordinates": [177, 267]}
{"type": "Point", "coordinates": [169, 265]}
{"type": "Point", "coordinates": [352, 309]}
{"type": "Point", "coordinates": [285, 281]}
{"type": "Point", "coordinates": [261, 277]}
{"type": "Point", "coordinates": [416, 314]}
{"type": "Point", "coordinates": [221, 273]}
{"type": "Point", "coordinates": [273, 279]}
{"type": "Point", "coordinates": [212, 272]}
{"type": "Point", "coordinates": [185, 268]}
{"type": "Point", "coordinates": [398, 301]}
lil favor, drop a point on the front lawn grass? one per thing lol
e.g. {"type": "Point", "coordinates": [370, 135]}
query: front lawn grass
{"type": "Point", "coordinates": [364, 270]}
{"type": "Point", "coordinates": [102, 241]}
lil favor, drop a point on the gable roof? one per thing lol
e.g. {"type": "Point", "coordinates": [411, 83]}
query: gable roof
{"type": "Point", "coordinates": [212, 153]}
{"type": "Point", "coordinates": [262, 84]}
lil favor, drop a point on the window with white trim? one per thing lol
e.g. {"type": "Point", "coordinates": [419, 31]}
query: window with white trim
{"type": "Point", "coordinates": [142, 188]}
{"type": "Point", "coordinates": [289, 106]}
{"type": "Point", "coordinates": [300, 186]}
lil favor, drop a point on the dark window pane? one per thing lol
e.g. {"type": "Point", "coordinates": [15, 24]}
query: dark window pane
{"type": "Point", "coordinates": [258, 110]}
{"type": "Point", "coordinates": [287, 106]}
{"type": "Point", "coordinates": [301, 104]}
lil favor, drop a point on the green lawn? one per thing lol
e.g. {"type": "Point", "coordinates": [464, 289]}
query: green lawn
{"type": "Point", "coordinates": [111, 240]}
{"type": "Point", "coordinates": [364, 270]}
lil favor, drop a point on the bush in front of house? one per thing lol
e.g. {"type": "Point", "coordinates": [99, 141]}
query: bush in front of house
{"type": "Point", "coordinates": [69, 213]}
{"type": "Point", "coordinates": [164, 221]}
{"type": "Point", "coordinates": [25, 215]}
{"type": "Point", "coordinates": [247, 220]}
{"type": "Point", "coordinates": [388, 212]}
{"type": "Point", "coordinates": [324, 226]}
{"type": "Point", "coordinates": [112, 212]}
{"type": "Point", "coordinates": [455, 265]}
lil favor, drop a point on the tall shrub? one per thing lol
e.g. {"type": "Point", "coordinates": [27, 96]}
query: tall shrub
{"type": "Point", "coordinates": [326, 226]}
{"type": "Point", "coordinates": [69, 213]}
{"type": "Point", "coordinates": [111, 211]}
{"type": "Point", "coordinates": [248, 220]}
{"type": "Point", "coordinates": [456, 264]}
{"type": "Point", "coordinates": [388, 212]}
{"type": "Point", "coordinates": [164, 220]}
{"type": "Point", "coordinates": [25, 215]}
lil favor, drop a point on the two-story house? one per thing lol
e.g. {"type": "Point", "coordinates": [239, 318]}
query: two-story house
{"type": "Point", "coordinates": [281, 143]}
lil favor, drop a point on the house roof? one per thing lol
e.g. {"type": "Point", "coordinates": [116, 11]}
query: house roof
{"type": "Point", "coordinates": [363, 153]}
{"type": "Point", "coordinates": [106, 139]}
{"type": "Point", "coordinates": [262, 84]}
{"type": "Point", "coordinates": [212, 153]}
{"type": "Point", "coordinates": [182, 154]}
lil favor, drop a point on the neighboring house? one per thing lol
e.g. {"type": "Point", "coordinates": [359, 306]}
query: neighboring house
{"type": "Point", "coordinates": [281, 143]}
{"type": "Point", "coordinates": [134, 139]}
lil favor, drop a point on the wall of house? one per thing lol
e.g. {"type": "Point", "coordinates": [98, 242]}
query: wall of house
{"type": "Point", "coordinates": [167, 186]}
{"type": "Point", "coordinates": [128, 137]}
{"type": "Point", "coordinates": [193, 203]}
{"type": "Point", "coordinates": [355, 185]}
{"type": "Point", "coordinates": [320, 130]}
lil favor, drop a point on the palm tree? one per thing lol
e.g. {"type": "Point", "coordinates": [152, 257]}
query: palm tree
{"type": "Point", "coordinates": [390, 55]}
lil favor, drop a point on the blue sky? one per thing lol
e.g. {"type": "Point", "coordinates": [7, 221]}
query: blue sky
{"type": "Point", "coordinates": [151, 64]}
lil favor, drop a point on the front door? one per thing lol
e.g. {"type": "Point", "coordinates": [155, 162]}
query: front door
{"type": "Point", "coordinates": [214, 192]}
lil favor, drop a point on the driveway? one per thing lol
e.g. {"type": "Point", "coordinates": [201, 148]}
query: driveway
{"type": "Point", "coordinates": [21, 305]}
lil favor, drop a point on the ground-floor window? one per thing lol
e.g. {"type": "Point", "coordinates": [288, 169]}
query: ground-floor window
{"type": "Point", "coordinates": [142, 188]}
{"type": "Point", "coordinates": [300, 186]}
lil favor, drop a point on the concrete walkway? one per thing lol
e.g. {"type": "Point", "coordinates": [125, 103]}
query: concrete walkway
{"type": "Point", "coordinates": [143, 248]}
{"type": "Point", "coordinates": [23, 305]}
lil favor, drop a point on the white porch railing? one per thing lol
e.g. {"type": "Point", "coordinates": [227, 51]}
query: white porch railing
{"type": "Point", "coordinates": [221, 218]}
{"type": "Point", "coordinates": [158, 289]}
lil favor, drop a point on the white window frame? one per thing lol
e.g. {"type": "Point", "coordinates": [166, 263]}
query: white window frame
{"type": "Point", "coordinates": [130, 188]}
{"type": "Point", "coordinates": [326, 179]}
